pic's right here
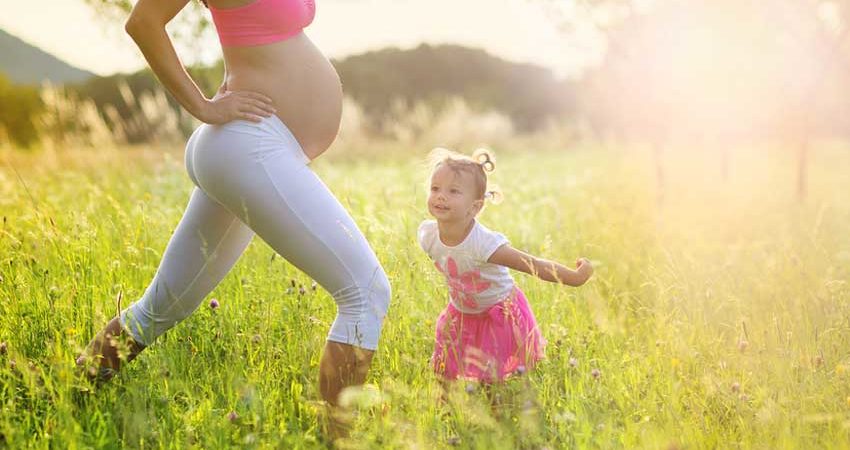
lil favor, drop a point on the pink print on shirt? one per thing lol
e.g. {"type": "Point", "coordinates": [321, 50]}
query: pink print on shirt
{"type": "Point", "coordinates": [463, 286]}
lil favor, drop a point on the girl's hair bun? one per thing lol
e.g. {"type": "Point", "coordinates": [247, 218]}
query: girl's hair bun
{"type": "Point", "coordinates": [485, 159]}
{"type": "Point", "coordinates": [478, 165]}
{"type": "Point", "coordinates": [494, 194]}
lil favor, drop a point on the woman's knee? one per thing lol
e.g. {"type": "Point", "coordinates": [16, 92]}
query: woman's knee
{"type": "Point", "coordinates": [367, 295]}
{"type": "Point", "coordinates": [361, 309]}
{"type": "Point", "coordinates": [380, 291]}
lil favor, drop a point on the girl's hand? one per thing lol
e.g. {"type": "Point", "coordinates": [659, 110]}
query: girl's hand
{"type": "Point", "coordinates": [227, 106]}
{"type": "Point", "coordinates": [584, 269]}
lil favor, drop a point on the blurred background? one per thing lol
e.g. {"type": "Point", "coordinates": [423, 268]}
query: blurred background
{"type": "Point", "coordinates": [684, 74]}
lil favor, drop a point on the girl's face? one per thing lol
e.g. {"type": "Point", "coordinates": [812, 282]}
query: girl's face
{"type": "Point", "coordinates": [451, 197]}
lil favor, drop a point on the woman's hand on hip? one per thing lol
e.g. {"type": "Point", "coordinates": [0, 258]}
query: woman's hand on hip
{"type": "Point", "coordinates": [227, 106]}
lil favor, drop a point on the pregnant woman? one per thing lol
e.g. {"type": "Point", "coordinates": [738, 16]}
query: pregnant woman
{"type": "Point", "coordinates": [278, 108]}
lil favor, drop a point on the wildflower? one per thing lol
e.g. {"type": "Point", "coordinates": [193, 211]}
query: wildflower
{"type": "Point", "coordinates": [565, 416]}
{"type": "Point", "coordinates": [520, 370]}
{"type": "Point", "coordinates": [840, 369]}
{"type": "Point", "coordinates": [744, 397]}
{"type": "Point", "coordinates": [573, 363]}
{"type": "Point", "coordinates": [818, 360]}
{"type": "Point", "coordinates": [453, 441]}
{"type": "Point", "coordinates": [301, 290]}
{"type": "Point", "coordinates": [595, 373]}
{"type": "Point", "coordinates": [674, 362]}
{"type": "Point", "coordinates": [314, 320]}
{"type": "Point", "coordinates": [214, 304]}
{"type": "Point", "coordinates": [736, 387]}
{"type": "Point", "coordinates": [313, 285]}
{"type": "Point", "coordinates": [256, 339]}
{"type": "Point", "coordinates": [232, 416]}
{"type": "Point", "coordinates": [742, 345]}
{"type": "Point", "coordinates": [2, 348]}
{"type": "Point", "coordinates": [470, 388]}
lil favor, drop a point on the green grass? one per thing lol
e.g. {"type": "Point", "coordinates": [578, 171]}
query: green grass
{"type": "Point", "coordinates": [684, 274]}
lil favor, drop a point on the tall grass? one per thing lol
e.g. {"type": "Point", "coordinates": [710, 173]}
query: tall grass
{"type": "Point", "coordinates": [69, 121]}
{"type": "Point", "coordinates": [717, 317]}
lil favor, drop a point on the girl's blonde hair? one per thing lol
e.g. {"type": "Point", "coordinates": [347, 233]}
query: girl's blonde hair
{"type": "Point", "coordinates": [478, 165]}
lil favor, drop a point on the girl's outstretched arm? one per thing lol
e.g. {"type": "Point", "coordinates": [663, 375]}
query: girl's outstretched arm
{"type": "Point", "coordinates": [541, 268]}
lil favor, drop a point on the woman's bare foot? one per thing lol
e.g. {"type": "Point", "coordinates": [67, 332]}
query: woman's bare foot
{"type": "Point", "coordinates": [341, 366]}
{"type": "Point", "coordinates": [106, 352]}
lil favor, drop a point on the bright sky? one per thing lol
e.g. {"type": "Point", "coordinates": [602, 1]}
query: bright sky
{"type": "Point", "coordinates": [517, 30]}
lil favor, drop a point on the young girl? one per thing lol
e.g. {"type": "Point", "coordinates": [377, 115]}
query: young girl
{"type": "Point", "coordinates": [487, 331]}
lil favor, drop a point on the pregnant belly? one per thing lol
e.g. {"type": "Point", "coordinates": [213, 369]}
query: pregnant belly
{"type": "Point", "coordinates": [301, 82]}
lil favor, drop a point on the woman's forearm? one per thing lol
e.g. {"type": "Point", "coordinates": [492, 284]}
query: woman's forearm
{"type": "Point", "coordinates": [158, 50]}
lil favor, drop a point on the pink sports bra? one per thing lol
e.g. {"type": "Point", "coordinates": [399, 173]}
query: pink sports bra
{"type": "Point", "coordinates": [262, 21]}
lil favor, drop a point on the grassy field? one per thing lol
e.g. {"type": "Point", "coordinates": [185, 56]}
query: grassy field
{"type": "Point", "coordinates": [718, 317]}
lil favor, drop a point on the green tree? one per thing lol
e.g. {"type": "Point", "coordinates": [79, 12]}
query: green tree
{"type": "Point", "coordinates": [382, 80]}
{"type": "Point", "coordinates": [191, 23]}
{"type": "Point", "coordinates": [20, 107]}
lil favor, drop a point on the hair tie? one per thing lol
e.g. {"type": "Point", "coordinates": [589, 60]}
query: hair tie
{"type": "Point", "coordinates": [494, 196]}
{"type": "Point", "coordinates": [485, 162]}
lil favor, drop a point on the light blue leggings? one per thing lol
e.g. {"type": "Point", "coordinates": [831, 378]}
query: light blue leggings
{"type": "Point", "coordinates": [253, 178]}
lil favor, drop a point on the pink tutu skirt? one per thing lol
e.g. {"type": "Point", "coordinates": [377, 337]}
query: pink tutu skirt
{"type": "Point", "coordinates": [488, 346]}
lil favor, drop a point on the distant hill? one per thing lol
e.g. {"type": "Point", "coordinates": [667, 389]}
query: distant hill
{"type": "Point", "coordinates": [25, 64]}
{"type": "Point", "coordinates": [378, 80]}
{"type": "Point", "coordinates": [381, 81]}
{"type": "Point", "coordinates": [527, 93]}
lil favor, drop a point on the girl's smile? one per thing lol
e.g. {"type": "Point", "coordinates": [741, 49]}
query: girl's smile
{"type": "Point", "coordinates": [451, 196]}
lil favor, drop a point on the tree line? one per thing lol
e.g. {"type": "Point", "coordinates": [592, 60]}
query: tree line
{"type": "Point", "coordinates": [384, 83]}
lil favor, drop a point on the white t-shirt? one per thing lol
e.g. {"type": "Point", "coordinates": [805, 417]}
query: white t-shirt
{"type": "Point", "coordinates": [474, 284]}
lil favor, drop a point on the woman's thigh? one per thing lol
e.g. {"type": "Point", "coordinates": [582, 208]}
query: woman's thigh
{"type": "Point", "coordinates": [264, 180]}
